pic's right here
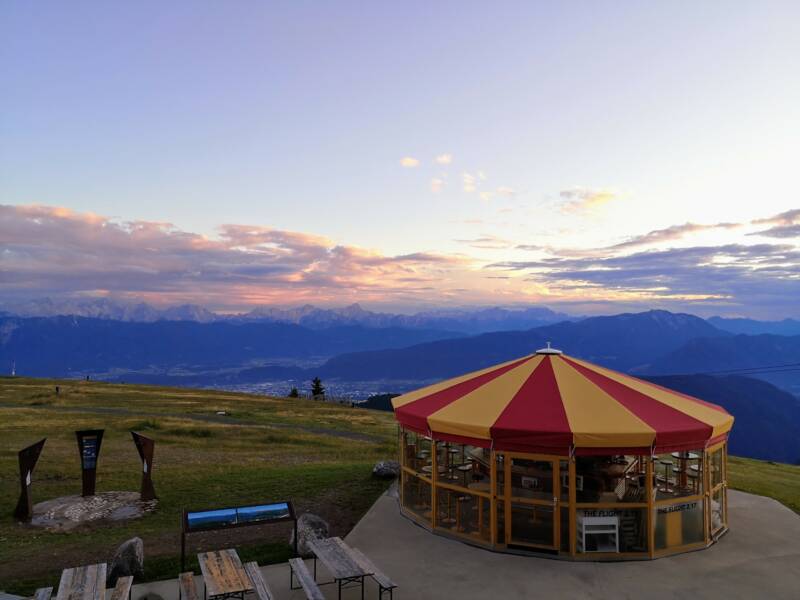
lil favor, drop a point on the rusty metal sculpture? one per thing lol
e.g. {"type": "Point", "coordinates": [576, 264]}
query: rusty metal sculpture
{"type": "Point", "coordinates": [89, 441]}
{"type": "Point", "coordinates": [145, 447]}
{"type": "Point", "coordinates": [28, 458]}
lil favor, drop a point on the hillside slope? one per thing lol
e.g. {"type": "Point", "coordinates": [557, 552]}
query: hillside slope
{"type": "Point", "coordinates": [318, 455]}
{"type": "Point", "coordinates": [714, 354]}
{"type": "Point", "coordinates": [61, 346]}
{"type": "Point", "coordinates": [754, 327]}
{"type": "Point", "coordinates": [767, 422]}
{"type": "Point", "coordinates": [618, 342]}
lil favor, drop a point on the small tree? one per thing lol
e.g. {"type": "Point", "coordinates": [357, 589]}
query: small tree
{"type": "Point", "coordinates": [317, 389]}
{"type": "Point", "coordinates": [294, 393]}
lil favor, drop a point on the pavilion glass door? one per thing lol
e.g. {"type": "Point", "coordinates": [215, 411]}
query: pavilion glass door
{"type": "Point", "coordinates": [531, 510]}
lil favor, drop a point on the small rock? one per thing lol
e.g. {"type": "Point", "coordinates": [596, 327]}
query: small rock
{"type": "Point", "coordinates": [128, 560]}
{"type": "Point", "coordinates": [309, 527]}
{"type": "Point", "coordinates": [386, 469]}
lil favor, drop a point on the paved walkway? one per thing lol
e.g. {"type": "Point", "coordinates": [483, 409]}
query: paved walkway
{"type": "Point", "coordinates": [758, 558]}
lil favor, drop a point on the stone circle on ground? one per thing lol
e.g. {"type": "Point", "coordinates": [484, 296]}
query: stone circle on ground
{"type": "Point", "coordinates": [70, 512]}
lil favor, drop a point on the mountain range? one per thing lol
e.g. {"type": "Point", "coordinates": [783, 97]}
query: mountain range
{"type": "Point", "coordinates": [462, 320]}
{"type": "Point", "coordinates": [622, 342]}
{"type": "Point", "coordinates": [470, 321]}
{"type": "Point", "coordinates": [108, 309]}
{"type": "Point", "coordinates": [767, 424]}
{"type": "Point", "coordinates": [774, 358]}
{"type": "Point", "coordinates": [248, 349]}
{"type": "Point", "coordinates": [74, 346]}
{"type": "Point", "coordinates": [753, 327]}
{"type": "Point", "coordinates": [679, 350]}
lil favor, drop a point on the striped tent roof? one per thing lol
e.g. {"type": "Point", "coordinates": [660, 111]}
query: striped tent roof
{"type": "Point", "coordinates": [552, 403]}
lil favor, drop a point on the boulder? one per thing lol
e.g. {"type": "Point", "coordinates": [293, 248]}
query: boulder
{"type": "Point", "coordinates": [128, 560]}
{"type": "Point", "coordinates": [386, 469]}
{"type": "Point", "coordinates": [309, 527]}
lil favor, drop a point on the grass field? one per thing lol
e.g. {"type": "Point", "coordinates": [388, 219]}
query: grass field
{"type": "Point", "coordinates": [318, 455]}
{"type": "Point", "coordinates": [776, 480]}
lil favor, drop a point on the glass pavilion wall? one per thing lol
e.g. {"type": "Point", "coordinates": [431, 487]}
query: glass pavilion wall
{"type": "Point", "coordinates": [581, 507]}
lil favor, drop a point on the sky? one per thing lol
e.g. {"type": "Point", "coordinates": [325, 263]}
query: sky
{"type": "Point", "coordinates": [587, 156]}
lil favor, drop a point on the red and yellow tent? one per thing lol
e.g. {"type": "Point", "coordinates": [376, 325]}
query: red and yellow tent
{"type": "Point", "coordinates": [551, 403]}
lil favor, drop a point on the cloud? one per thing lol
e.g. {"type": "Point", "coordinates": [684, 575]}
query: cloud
{"type": "Point", "coordinates": [409, 162]}
{"type": "Point", "coordinates": [781, 231]}
{"type": "Point", "coordinates": [470, 182]}
{"type": "Point", "coordinates": [748, 276]}
{"type": "Point", "coordinates": [500, 191]}
{"type": "Point", "coordinates": [788, 217]}
{"type": "Point", "coordinates": [55, 251]}
{"type": "Point", "coordinates": [670, 233]}
{"type": "Point", "coordinates": [437, 184]}
{"type": "Point", "coordinates": [444, 159]}
{"type": "Point", "coordinates": [580, 199]}
{"type": "Point", "coordinates": [506, 191]}
{"type": "Point", "coordinates": [785, 225]}
{"type": "Point", "coordinates": [487, 242]}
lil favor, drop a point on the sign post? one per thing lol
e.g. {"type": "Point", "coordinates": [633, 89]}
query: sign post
{"type": "Point", "coordinates": [89, 441]}
{"type": "Point", "coordinates": [28, 458]}
{"type": "Point", "coordinates": [145, 446]}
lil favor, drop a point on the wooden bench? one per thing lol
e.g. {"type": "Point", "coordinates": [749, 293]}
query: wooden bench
{"type": "Point", "coordinates": [384, 583]}
{"type": "Point", "coordinates": [187, 590]}
{"type": "Point", "coordinates": [87, 582]}
{"type": "Point", "coordinates": [260, 586]}
{"type": "Point", "coordinates": [298, 569]}
{"type": "Point", "coordinates": [43, 593]}
{"type": "Point", "coordinates": [122, 591]}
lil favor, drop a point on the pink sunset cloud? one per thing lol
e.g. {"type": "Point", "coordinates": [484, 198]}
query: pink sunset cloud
{"type": "Point", "coordinates": [54, 250]}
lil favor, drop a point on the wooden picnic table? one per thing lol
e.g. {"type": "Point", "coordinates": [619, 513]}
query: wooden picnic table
{"type": "Point", "coordinates": [340, 561]}
{"type": "Point", "coordinates": [223, 574]}
{"type": "Point", "coordinates": [83, 583]}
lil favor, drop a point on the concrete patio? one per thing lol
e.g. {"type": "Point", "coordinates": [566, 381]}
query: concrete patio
{"type": "Point", "coordinates": [759, 558]}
